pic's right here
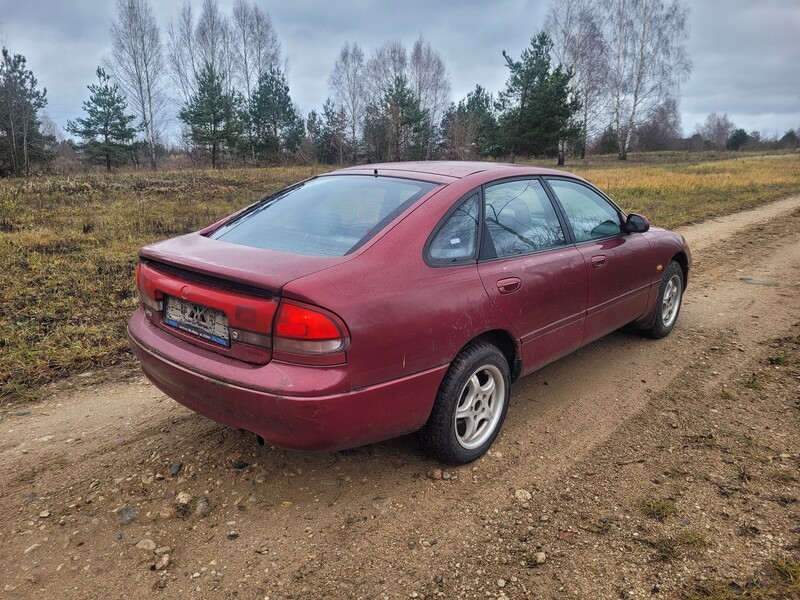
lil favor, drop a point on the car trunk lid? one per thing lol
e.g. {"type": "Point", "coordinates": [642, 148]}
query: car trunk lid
{"type": "Point", "coordinates": [219, 296]}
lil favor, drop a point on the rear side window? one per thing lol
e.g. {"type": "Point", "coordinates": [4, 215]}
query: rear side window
{"type": "Point", "coordinates": [328, 216]}
{"type": "Point", "coordinates": [457, 239]}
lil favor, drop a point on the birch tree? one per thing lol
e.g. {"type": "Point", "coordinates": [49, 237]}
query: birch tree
{"type": "Point", "coordinates": [647, 59]}
{"type": "Point", "coordinates": [138, 67]}
{"type": "Point", "coordinates": [347, 82]}
{"type": "Point", "coordinates": [256, 51]}
{"type": "Point", "coordinates": [429, 82]}
{"type": "Point", "coordinates": [575, 28]}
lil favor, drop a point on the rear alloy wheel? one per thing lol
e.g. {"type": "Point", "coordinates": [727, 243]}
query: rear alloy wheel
{"type": "Point", "coordinates": [670, 296]}
{"type": "Point", "coordinates": [470, 406]}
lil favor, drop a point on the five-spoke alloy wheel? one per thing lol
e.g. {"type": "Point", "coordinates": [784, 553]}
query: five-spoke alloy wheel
{"type": "Point", "coordinates": [470, 406]}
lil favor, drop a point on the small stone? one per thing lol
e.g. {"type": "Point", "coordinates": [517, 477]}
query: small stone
{"type": "Point", "coordinates": [523, 495]}
{"type": "Point", "coordinates": [539, 558]}
{"type": "Point", "coordinates": [147, 479]}
{"type": "Point", "coordinates": [30, 549]}
{"type": "Point", "coordinates": [23, 412]}
{"type": "Point", "coordinates": [44, 514]}
{"type": "Point", "coordinates": [162, 562]}
{"type": "Point", "coordinates": [183, 498]}
{"type": "Point", "coordinates": [501, 583]}
{"type": "Point", "coordinates": [175, 468]}
{"type": "Point", "coordinates": [446, 475]}
{"type": "Point", "coordinates": [567, 536]}
{"type": "Point", "coordinates": [203, 507]}
{"type": "Point", "coordinates": [146, 544]}
{"type": "Point", "coordinates": [126, 515]}
{"type": "Point", "coordinates": [166, 512]}
{"type": "Point", "coordinates": [240, 464]}
{"type": "Point", "coordinates": [163, 550]}
{"type": "Point", "coordinates": [435, 474]}
{"type": "Point", "coordinates": [233, 535]}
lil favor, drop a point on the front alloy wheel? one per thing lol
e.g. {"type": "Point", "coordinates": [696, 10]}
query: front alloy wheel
{"type": "Point", "coordinates": [670, 296]}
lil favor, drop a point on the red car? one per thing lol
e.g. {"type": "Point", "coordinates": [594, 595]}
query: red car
{"type": "Point", "coordinates": [379, 300]}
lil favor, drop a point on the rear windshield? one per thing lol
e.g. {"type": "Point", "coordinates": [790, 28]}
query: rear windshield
{"type": "Point", "coordinates": [328, 216]}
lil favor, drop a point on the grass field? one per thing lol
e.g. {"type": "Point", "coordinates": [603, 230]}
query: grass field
{"type": "Point", "coordinates": [68, 243]}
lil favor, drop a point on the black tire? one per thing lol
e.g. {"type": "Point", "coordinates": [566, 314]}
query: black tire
{"type": "Point", "coordinates": [668, 305]}
{"type": "Point", "coordinates": [478, 367]}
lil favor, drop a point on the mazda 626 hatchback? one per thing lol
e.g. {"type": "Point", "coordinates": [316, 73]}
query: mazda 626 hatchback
{"type": "Point", "coordinates": [379, 300]}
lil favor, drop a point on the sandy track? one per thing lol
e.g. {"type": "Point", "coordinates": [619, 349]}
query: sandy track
{"type": "Point", "coordinates": [369, 522]}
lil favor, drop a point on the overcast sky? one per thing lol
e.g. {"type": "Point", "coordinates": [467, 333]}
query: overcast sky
{"type": "Point", "coordinates": [746, 53]}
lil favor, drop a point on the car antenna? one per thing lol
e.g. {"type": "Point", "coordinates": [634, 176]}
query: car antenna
{"type": "Point", "coordinates": [375, 171]}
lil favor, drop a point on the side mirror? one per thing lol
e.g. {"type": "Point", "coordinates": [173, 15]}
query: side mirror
{"type": "Point", "coordinates": [636, 223]}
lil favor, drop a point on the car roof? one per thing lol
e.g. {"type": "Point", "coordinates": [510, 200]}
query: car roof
{"type": "Point", "coordinates": [443, 171]}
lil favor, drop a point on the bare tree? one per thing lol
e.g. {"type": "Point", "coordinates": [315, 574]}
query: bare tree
{"type": "Point", "coordinates": [138, 66]}
{"type": "Point", "coordinates": [575, 27]}
{"type": "Point", "coordinates": [716, 130]}
{"type": "Point", "coordinates": [430, 82]}
{"type": "Point", "coordinates": [349, 89]}
{"type": "Point", "coordinates": [423, 72]}
{"type": "Point", "coordinates": [182, 53]}
{"type": "Point", "coordinates": [266, 46]}
{"type": "Point", "coordinates": [647, 59]}
{"type": "Point", "coordinates": [385, 65]}
{"type": "Point", "coordinates": [192, 46]}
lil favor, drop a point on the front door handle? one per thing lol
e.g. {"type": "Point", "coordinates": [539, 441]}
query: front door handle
{"type": "Point", "coordinates": [599, 261]}
{"type": "Point", "coordinates": [508, 285]}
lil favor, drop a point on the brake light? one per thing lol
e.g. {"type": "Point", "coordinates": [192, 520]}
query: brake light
{"type": "Point", "coordinates": [302, 329]}
{"type": "Point", "coordinates": [147, 294]}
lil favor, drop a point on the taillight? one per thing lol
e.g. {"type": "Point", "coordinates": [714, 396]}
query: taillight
{"type": "Point", "coordinates": [147, 293]}
{"type": "Point", "coordinates": [303, 329]}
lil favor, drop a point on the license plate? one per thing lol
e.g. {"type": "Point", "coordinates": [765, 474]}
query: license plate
{"type": "Point", "coordinates": [204, 322]}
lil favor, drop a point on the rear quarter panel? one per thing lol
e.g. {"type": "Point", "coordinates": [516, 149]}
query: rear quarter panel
{"type": "Point", "coordinates": [403, 315]}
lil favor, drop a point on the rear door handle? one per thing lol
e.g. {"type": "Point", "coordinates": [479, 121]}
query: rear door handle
{"type": "Point", "coordinates": [508, 285]}
{"type": "Point", "coordinates": [599, 261]}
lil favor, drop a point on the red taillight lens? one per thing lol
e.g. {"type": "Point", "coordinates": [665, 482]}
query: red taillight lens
{"type": "Point", "coordinates": [301, 329]}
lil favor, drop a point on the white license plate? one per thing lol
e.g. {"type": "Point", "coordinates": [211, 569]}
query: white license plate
{"type": "Point", "coordinates": [204, 322]}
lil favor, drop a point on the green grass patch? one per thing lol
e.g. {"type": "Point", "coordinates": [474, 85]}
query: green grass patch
{"type": "Point", "coordinates": [657, 509]}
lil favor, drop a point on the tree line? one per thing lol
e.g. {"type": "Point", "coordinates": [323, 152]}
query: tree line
{"type": "Point", "coordinates": [601, 76]}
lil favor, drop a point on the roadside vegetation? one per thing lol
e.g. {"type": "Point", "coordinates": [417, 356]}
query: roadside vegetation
{"type": "Point", "coordinates": [68, 243]}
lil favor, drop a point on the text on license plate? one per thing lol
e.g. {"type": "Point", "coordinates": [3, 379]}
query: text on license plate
{"type": "Point", "coordinates": [204, 322]}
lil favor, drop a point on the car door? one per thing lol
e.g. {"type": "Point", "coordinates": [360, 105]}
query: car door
{"type": "Point", "coordinates": [531, 274]}
{"type": "Point", "coordinates": [618, 264]}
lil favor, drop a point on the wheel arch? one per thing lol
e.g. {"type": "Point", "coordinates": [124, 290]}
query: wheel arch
{"type": "Point", "coordinates": [507, 344]}
{"type": "Point", "coordinates": [683, 261]}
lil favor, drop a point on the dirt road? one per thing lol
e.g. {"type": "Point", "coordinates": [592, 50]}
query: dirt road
{"type": "Point", "coordinates": [633, 468]}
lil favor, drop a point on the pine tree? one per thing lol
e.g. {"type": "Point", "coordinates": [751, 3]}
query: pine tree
{"type": "Point", "coordinates": [276, 125]}
{"type": "Point", "coordinates": [107, 132]}
{"type": "Point", "coordinates": [211, 115]}
{"type": "Point", "coordinates": [22, 141]}
{"type": "Point", "coordinates": [537, 103]}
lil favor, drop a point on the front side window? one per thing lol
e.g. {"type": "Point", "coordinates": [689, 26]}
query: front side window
{"type": "Point", "coordinates": [591, 216]}
{"type": "Point", "coordinates": [327, 216]}
{"type": "Point", "coordinates": [457, 239]}
{"type": "Point", "coordinates": [520, 218]}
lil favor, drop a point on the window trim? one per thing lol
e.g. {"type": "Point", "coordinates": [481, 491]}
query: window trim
{"type": "Point", "coordinates": [621, 214]}
{"type": "Point", "coordinates": [486, 239]}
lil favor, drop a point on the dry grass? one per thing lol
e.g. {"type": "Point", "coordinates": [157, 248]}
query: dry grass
{"type": "Point", "coordinates": [68, 249]}
{"type": "Point", "coordinates": [68, 244]}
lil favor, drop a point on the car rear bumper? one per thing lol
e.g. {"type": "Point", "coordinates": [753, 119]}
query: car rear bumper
{"type": "Point", "coordinates": [292, 406]}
